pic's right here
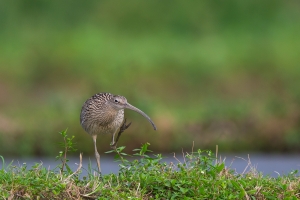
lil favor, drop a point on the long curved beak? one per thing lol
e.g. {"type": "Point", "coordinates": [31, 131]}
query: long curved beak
{"type": "Point", "coordinates": [140, 112]}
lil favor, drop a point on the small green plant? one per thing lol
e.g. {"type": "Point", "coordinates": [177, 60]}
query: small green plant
{"type": "Point", "coordinates": [68, 146]}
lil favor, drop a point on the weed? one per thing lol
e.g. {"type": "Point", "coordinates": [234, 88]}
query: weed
{"type": "Point", "coordinates": [68, 145]}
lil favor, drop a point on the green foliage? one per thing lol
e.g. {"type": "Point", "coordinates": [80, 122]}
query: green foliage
{"type": "Point", "coordinates": [199, 176]}
{"type": "Point", "coordinates": [68, 146]}
{"type": "Point", "coordinates": [220, 72]}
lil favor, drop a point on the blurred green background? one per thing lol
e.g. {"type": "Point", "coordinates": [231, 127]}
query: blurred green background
{"type": "Point", "coordinates": [212, 72]}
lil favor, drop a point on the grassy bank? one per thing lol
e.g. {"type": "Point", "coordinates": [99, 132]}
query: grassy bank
{"type": "Point", "coordinates": [200, 176]}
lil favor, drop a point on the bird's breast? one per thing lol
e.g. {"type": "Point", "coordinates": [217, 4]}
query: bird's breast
{"type": "Point", "coordinates": [114, 125]}
{"type": "Point", "coordinates": [106, 123]}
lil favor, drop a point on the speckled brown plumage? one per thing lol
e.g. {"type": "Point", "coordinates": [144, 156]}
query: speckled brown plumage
{"type": "Point", "coordinates": [98, 117]}
{"type": "Point", "coordinates": [104, 113]}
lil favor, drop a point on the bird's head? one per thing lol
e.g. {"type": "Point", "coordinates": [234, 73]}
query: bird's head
{"type": "Point", "coordinates": [119, 102]}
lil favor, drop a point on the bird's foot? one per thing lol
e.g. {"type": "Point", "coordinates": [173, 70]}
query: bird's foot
{"type": "Point", "coordinates": [113, 146]}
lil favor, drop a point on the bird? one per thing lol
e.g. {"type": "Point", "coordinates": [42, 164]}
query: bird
{"type": "Point", "coordinates": [103, 113]}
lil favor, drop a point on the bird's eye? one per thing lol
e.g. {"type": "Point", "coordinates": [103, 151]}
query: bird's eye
{"type": "Point", "coordinates": [116, 101]}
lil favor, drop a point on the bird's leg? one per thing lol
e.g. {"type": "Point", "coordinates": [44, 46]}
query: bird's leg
{"type": "Point", "coordinates": [122, 129]}
{"type": "Point", "coordinates": [97, 155]}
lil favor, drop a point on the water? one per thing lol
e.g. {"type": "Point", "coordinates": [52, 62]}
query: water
{"type": "Point", "coordinates": [269, 164]}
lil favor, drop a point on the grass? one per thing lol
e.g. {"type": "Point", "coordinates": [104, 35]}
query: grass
{"type": "Point", "coordinates": [200, 176]}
